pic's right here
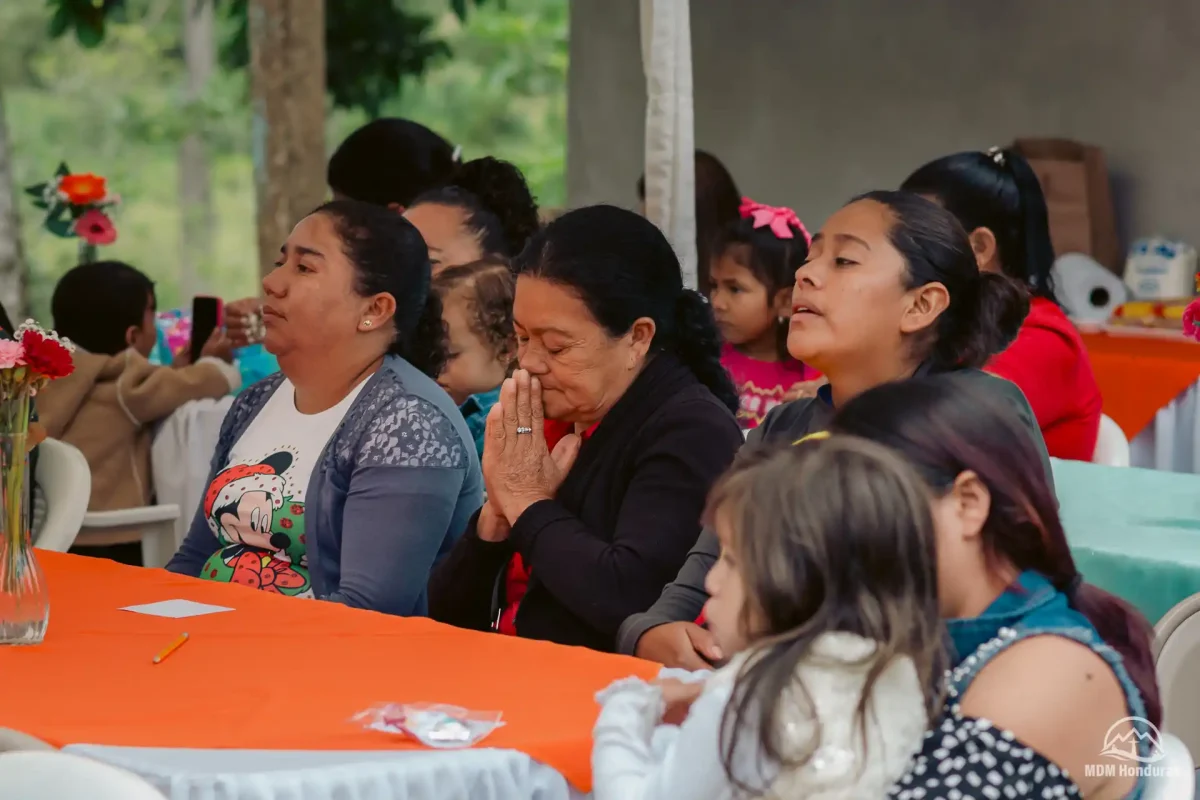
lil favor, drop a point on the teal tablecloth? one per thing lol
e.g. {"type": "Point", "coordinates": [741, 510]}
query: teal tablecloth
{"type": "Point", "coordinates": [1133, 532]}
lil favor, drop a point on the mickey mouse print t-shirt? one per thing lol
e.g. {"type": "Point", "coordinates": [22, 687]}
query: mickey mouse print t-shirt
{"type": "Point", "coordinates": [255, 506]}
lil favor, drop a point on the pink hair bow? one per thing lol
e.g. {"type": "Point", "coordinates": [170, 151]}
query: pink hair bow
{"type": "Point", "coordinates": [780, 219]}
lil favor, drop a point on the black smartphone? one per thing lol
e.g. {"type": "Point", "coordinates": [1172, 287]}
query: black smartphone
{"type": "Point", "coordinates": [206, 318]}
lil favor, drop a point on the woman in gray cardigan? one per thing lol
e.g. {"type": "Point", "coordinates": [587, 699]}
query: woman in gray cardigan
{"type": "Point", "coordinates": [347, 475]}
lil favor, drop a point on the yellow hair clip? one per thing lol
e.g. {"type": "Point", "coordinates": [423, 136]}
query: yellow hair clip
{"type": "Point", "coordinates": [812, 437]}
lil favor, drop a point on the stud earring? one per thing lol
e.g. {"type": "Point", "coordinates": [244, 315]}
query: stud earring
{"type": "Point", "coordinates": [366, 323]}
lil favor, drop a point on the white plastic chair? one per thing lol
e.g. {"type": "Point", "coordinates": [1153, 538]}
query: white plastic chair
{"type": "Point", "coordinates": [66, 487]}
{"type": "Point", "coordinates": [11, 740]}
{"type": "Point", "coordinates": [155, 523]}
{"type": "Point", "coordinates": [1112, 448]}
{"type": "Point", "coordinates": [1176, 651]}
{"type": "Point", "coordinates": [1175, 773]}
{"type": "Point", "coordinates": [42, 775]}
{"type": "Point", "coordinates": [60, 509]}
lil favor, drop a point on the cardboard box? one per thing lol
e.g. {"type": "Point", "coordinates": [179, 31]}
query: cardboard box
{"type": "Point", "coordinates": [1074, 178]}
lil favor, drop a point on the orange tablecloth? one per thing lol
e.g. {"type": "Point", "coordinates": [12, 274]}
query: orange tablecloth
{"type": "Point", "coordinates": [1140, 375]}
{"type": "Point", "coordinates": [281, 673]}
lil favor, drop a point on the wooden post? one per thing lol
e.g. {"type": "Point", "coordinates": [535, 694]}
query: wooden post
{"type": "Point", "coordinates": [287, 84]}
{"type": "Point", "coordinates": [195, 182]}
{"type": "Point", "coordinates": [13, 278]}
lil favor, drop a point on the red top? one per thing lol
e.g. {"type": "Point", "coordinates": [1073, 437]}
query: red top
{"type": "Point", "coordinates": [516, 580]}
{"type": "Point", "coordinates": [1049, 363]}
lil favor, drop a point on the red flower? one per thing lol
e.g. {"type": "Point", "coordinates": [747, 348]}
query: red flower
{"type": "Point", "coordinates": [297, 509]}
{"type": "Point", "coordinates": [95, 227]}
{"type": "Point", "coordinates": [46, 357]}
{"type": "Point", "coordinates": [83, 188]}
{"type": "Point", "coordinates": [285, 523]}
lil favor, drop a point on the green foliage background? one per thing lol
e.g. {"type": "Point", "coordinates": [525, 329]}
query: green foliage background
{"type": "Point", "coordinates": [119, 110]}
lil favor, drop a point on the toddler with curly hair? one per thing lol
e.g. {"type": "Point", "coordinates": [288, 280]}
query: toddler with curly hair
{"type": "Point", "coordinates": [477, 306]}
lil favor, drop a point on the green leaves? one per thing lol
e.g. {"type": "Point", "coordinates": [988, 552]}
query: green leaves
{"type": "Point", "coordinates": [370, 47]}
{"type": "Point", "coordinates": [460, 7]}
{"type": "Point", "coordinates": [60, 215]}
{"type": "Point", "coordinates": [60, 222]}
{"type": "Point", "coordinates": [85, 17]}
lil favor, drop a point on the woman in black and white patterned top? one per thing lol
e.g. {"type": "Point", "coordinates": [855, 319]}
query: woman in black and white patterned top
{"type": "Point", "coordinates": [963, 757]}
{"type": "Point", "coordinates": [1048, 668]}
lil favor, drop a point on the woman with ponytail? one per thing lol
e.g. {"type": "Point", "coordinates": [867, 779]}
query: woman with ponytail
{"type": "Point", "coordinates": [484, 211]}
{"type": "Point", "coordinates": [604, 444]}
{"type": "Point", "coordinates": [890, 290]}
{"type": "Point", "coordinates": [347, 474]}
{"type": "Point", "coordinates": [998, 199]}
{"type": "Point", "coordinates": [1062, 665]}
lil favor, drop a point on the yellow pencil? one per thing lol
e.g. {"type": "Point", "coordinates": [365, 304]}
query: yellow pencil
{"type": "Point", "coordinates": [171, 648]}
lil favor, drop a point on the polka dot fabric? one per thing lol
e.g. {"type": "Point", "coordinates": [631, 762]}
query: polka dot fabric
{"type": "Point", "coordinates": [964, 757]}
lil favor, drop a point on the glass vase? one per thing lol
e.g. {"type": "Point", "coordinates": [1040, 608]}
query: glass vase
{"type": "Point", "coordinates": [24, 599]}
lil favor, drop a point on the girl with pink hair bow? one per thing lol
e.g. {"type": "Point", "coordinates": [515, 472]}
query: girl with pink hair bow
{"type": "Point", "coordinates": [754, 264]}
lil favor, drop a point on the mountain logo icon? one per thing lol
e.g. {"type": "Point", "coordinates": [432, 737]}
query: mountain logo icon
{"type": "Point", "coordinates": [1121, 741]}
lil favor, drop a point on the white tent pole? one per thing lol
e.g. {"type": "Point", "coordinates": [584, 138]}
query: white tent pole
{"type": "Point", "coordinates": [670, 164]}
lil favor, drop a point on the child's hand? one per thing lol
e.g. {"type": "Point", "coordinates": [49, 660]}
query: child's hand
{"type": "Point", "coordinates": [678, 698]}
{"type": "Point", "coordinates": [218, 346]}
{"type": "Point", "coordinates": [679, 644]}
{"type": "Point", "coordinates": [243, 321]}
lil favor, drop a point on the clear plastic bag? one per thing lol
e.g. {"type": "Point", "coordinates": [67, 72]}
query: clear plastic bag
{"type": "Point", "coordinates": [432, 724]}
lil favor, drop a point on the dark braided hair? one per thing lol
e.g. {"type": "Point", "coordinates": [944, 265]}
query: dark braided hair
{"type": "Point", "coordinates": [623, 269]}
{"type": "Point", "coordinates": [495, 198]}
{"type": "Point", "coordinates": [389, 256]}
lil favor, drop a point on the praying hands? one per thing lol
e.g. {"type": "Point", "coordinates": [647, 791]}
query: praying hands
{"type": "Point", "coordinates": [518, 467]}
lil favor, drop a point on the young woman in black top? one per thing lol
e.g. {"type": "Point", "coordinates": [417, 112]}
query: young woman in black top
{"type": "Point", "coordinates": [890, 290]}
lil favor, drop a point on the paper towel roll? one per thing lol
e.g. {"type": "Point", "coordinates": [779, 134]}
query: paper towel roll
{"type": "Point", "coordinates": [1087, 291]}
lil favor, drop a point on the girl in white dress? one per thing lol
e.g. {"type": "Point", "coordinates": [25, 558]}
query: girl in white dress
{"type": "Point", "coordinates": [826, 595]}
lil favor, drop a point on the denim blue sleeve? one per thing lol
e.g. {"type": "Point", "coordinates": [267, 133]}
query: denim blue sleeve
{"type": "Point", "coordinates": [402, 505]}
{"type": "Point", "coordinates": [395, 523]}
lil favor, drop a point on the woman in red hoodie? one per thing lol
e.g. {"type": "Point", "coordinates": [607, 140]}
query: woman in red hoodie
{"type": "Point", "coordinates": [997, 198]}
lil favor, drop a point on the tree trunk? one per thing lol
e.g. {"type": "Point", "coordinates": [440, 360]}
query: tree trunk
{"type": "Point", "coordinates": [287, 82]}
{"type": "Point", "coordinates": [13, 278]}
{"type": "Point", "coordinates": [195, 184]}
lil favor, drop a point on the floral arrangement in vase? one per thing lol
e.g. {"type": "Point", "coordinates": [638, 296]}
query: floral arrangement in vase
{"type": "Point", "coordinates": [28, 361]}
{"type": "Point", "coordinates": [77, 205]}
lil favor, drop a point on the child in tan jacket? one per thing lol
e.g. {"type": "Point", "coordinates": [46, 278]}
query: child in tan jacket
{"type": "Point", "coordinates": [108, 405]}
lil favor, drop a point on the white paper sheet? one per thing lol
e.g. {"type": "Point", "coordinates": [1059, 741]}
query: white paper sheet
{"type": "Point", "coordinates": [176, 609]}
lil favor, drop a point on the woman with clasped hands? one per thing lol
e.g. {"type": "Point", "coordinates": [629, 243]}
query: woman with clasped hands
{"type": "Point", "coordinates": [599, 456]}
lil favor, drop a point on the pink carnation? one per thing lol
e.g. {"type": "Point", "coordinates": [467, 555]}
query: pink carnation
{"type": "Point", "coordinates": [12, 354]}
